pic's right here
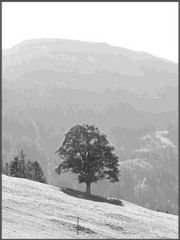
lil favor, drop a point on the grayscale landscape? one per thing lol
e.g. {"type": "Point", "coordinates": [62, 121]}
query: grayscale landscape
{"type": "Point", "coordinates": [49, 86]}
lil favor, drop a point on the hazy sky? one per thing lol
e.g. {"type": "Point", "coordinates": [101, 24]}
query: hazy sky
{"type": "Point", "coordinates": [148, 27]}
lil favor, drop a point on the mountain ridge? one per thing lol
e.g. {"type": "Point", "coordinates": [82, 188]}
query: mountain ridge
{"type": "Point", "coordinates": [87, 66]}
{"type": "Point", "coordinates": [103, 44]}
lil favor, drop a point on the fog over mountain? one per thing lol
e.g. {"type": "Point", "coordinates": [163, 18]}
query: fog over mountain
{"type": "Point", "coordinates": [49, 85]}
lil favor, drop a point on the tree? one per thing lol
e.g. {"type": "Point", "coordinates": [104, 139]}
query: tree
{"type": "Point", "coordinates": [86, 152]}
{"type": "Point", "coordinates": [17, 166]}
{"type": "Point", "coordinates": [37, 173]}
{"type": "Point", "coordinates": [22, 164]}
{"type": "Point", "coordinates": [14, 167]}
{"type": "Point", "coordinates": [29, 169]}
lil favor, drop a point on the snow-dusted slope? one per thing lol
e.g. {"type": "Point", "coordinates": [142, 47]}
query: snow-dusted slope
{"type": "Point", "coordinates": [36, 210]}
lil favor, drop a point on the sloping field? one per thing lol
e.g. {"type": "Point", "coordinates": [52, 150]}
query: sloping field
{"type": "Point", "coordinates": [35, 210]}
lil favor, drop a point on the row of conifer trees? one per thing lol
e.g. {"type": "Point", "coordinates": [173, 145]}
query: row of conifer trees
{"type": "Point", "coordinates": [23, 168]}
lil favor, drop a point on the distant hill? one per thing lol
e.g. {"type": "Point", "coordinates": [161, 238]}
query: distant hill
{"type": "Point", "coordinates": [35, 210]}
{"type": "Point", "coordinates": [49, 85]}
{"type": "Point", "coordinates": [146, 82]}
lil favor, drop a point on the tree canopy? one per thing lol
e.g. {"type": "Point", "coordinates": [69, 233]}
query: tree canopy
{"type": "Point", "coordinates": [86, 152]}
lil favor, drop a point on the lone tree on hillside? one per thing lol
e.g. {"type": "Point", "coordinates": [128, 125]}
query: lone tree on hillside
{"type": "Point", "coordinates": [86, 152]}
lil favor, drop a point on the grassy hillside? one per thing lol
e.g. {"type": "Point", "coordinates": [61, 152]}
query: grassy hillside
{"type": "Point", "coordinates": [35, 210]}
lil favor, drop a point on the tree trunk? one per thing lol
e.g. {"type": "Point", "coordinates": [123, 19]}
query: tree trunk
{"type": "Point", "coordinates": [88, 188]}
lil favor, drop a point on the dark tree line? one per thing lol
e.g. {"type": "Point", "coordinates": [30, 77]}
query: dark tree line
{"type": "Point", "coordinates": [20, 167]}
